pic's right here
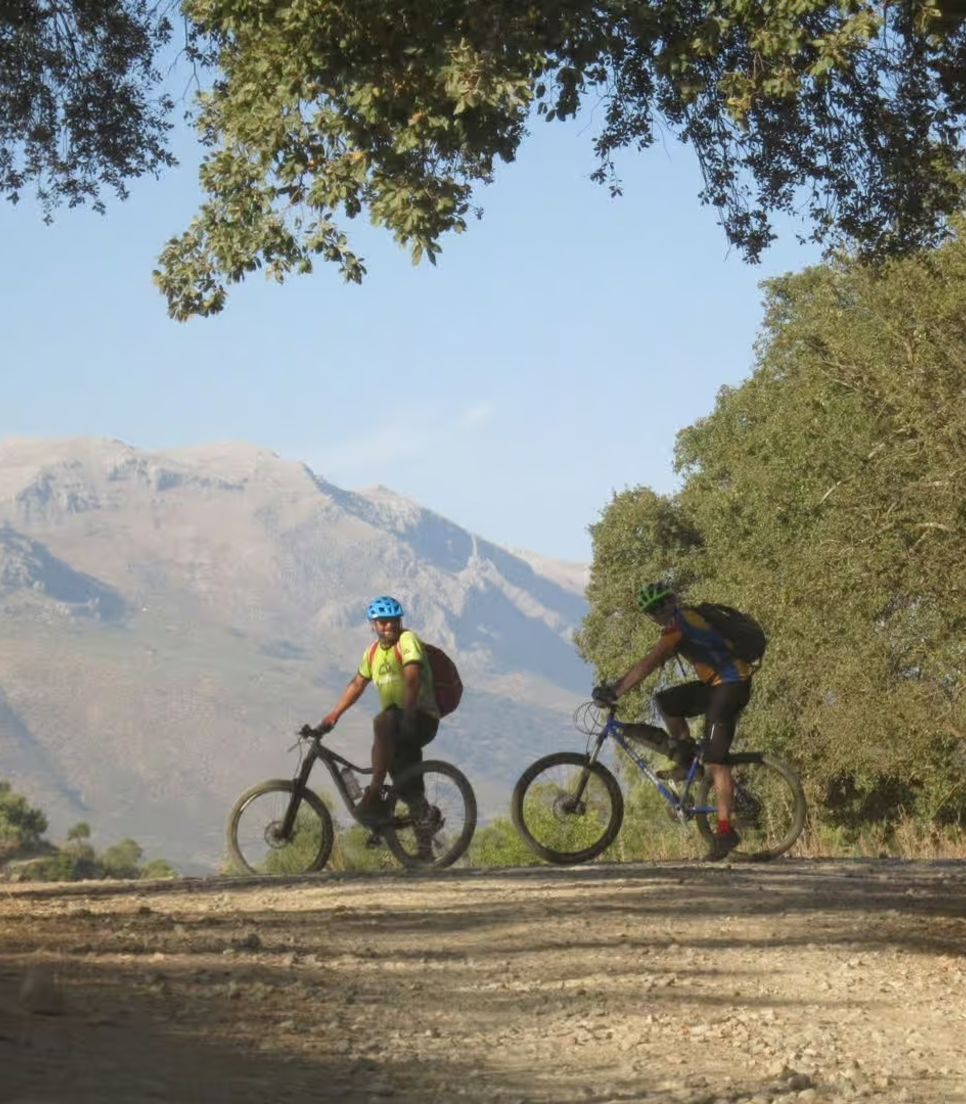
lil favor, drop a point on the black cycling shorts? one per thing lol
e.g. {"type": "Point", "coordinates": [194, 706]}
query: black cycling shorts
{"type": "Point", "coordinates": [408, 749]}
{"type": "Point", "coordinates": [721, 706]}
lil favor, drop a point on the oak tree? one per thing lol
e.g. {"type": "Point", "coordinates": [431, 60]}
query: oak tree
{"type": "Point", "coordinates": [852, 109]}
{"type": "Point", "coordinates": [81, 107]}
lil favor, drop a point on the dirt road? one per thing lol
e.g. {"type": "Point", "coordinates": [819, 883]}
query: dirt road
{"type": "Point", "coordinates": [798, 981]}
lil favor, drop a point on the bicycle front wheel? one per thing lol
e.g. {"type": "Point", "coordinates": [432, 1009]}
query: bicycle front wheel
{"type": "Point", "coordinates": [256, 841]}
{"type": "Point", "coordinates": [769, 806]}
{"type": "Point", "coordinates": [567, 809]}
{"type": "Point", "coordinates": [432, 816]}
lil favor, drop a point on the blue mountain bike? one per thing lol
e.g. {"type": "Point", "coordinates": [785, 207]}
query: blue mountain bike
{"type": "Point", "coordinates": [568, 806]}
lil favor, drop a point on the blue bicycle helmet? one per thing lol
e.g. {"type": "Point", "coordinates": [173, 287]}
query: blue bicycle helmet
{"type": "Point", "coordinates": [384, 609]}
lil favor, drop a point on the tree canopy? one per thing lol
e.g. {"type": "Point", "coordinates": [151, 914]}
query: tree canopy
{"type": "Point", "coordinates": [824, 495]}
{"type": "Point", "coordinates": [849, 110]}
{"type": "Point", "coordinates": [80, 105]}
{"type": "Point", "coordinates": [21, 826]}
{"type": "Point", "coordinates": [401, 108]}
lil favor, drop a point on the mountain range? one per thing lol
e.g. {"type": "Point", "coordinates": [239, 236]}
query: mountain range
{"type": "Point", "coordinates": [169, 619]}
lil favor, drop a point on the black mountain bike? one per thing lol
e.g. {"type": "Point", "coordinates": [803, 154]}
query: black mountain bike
{"type": "Point", "coordinates": [569, 808]}
{"type": "Point", "coordinates": [283, 827]}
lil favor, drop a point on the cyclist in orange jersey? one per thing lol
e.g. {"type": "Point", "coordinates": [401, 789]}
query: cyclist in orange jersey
{"type": "Point", "coordinates": [720, 693]}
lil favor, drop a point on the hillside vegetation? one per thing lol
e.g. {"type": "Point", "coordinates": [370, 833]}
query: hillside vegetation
{"type": "Point", "coordinates": [27, 855]}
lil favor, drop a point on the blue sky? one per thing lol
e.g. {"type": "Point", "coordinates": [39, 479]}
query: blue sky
{"type": "Point", "coordinates": [548, 360]}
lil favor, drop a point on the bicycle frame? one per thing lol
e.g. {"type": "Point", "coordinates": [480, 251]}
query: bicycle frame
{"type": "Point", "coordinates": [679, 803]}
{"type": "Point", "coordinates": [333, 761]}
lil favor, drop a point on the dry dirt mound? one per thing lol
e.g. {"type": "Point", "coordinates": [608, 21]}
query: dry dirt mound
{"type": "Point", "coordinates": [798, 981]}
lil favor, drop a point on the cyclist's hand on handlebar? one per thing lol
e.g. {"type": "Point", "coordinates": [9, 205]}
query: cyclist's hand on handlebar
{"type": "Point", "coordinates": [308, 731]}
{"type": "Point", "coordinates": [604, 694]}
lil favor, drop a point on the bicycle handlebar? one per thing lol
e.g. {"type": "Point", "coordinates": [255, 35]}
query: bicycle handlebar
{"type": "Point", "coordinates": [309, 733]}
{"type": "Point", "coordinates": [603, 695]}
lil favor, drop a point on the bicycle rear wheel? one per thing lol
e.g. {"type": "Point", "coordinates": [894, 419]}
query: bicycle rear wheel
{"type": "Point", "coordinates": [434, 824]}
{"type": "Point", "coordinates": [567, 809]}
{"type": "Point", "coordinates": [255, 840]}
{"type": "Point", "coordinates": [769, 811]}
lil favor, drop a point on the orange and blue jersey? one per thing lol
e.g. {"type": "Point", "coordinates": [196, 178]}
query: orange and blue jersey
{"type": "Point", "coordinates": [709, 653]}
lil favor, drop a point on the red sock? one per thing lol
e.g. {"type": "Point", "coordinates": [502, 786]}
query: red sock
{"type": "Point", "coordinates": [724, 827]}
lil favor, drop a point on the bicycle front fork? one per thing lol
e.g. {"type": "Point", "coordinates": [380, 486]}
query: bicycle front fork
{"type": "Point", "coordinates": [301, 781]}
{"type": "Point", "coordinates": [585, 773]}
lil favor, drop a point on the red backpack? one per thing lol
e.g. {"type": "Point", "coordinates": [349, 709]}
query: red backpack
{"type": "Point", "coordinates": [447, 684]}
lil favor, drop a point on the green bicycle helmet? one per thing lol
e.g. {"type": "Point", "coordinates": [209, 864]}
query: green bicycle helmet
{"type": "Point", "coordinates": [652, 595]}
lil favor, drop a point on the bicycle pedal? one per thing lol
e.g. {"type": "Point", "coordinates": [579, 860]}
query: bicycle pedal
{"type": "Point", "coordinates": [374, 840]}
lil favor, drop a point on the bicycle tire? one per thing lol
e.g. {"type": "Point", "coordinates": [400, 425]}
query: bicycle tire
{"type": "Point", "coordinates": [771, 784]}
{"type": "Point", "coordinates": [301, 855]}
{"type": "Point", "coordinates": [552, 850]}
{"type": "Point", "coordinates": [437, 848]}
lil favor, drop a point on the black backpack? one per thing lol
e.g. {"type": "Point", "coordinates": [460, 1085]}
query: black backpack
{"type": "Point", "coordinates": [744, 634]}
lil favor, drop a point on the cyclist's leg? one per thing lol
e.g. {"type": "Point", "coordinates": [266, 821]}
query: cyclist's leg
{"type": "Point", "coordinates": [392, 753]}
{"type": "Point", "coordinates": [675, 704]}
{"type": "Point", "coordinates": [408, 751]}
{"type": "Point", "coordinates": [371, 808]}
{"type": "Point", "coordinates": [385, 726]}
{"type": "Point", "coordinates": [724, 707]}
{"type": "Point", "coordinates": [649, 735]}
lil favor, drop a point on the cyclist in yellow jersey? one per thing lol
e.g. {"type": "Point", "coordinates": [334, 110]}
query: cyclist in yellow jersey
{"type": "Point", "coordinates": [397, 664]}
